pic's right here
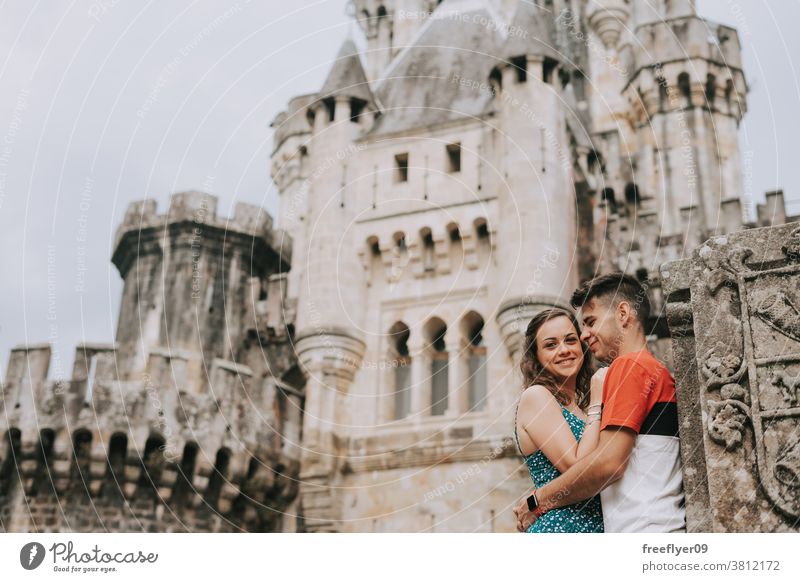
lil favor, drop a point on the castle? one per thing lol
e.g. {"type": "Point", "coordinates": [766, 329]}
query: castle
{"type": "Point", "coordinates": [356, 370]}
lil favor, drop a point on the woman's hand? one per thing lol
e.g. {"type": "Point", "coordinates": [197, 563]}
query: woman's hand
{"type": "Point", "coordinates": [596, 386]}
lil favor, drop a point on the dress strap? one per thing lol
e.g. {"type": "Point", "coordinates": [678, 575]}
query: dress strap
{"type": "Point", "coordinates": [516, 434]}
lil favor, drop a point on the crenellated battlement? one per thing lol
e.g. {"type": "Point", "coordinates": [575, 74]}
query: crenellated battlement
{"type": "Point", "coordinates": [293, 122]}
{"type": "Point", "coordinates": [195, 214]}
{"type": "Point", "coordinates": [687, 37]}
{"type": "Point", "coordinates": [188, 435]}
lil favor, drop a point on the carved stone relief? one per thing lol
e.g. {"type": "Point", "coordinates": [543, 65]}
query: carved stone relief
{"type": "Point", "coordinates": [745, 293]}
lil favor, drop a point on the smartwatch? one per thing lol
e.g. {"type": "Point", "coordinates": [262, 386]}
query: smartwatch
{"type": "Point", "coordinates": [533, 503]}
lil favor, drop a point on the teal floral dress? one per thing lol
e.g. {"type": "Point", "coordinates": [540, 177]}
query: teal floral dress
{"type": "Point", "coordinates": [583, 517]}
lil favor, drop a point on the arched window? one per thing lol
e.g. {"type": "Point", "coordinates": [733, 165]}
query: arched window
{"type": "Point", "coordinates": [330, 107]}
{"type": "Point", "coordinates": [374, 246]}
{"type": "Point", "coordinates": [115, 478]}
{"type": "Point", "coordinates": [8, 470]}
{"type": "Point", "coordinates": [564, 78]}
{"type": "Point", "coordinates": [685, 87]}
{"type": "Point", "coordinates": [594, 162]}
{"type": "Point", "coordinates": [183, 490]}
{"type": "Point", "coordinates": [711, 89]}
{"type": "Point", "coordinates": [496, 81]}
{"type": "Point", "coordinates": [428, 250]}
{"type": "Point", "coordinates": [608, 195]}
{"type": "Point", "coordinates": [400, 241]}
{"type": "Point", "coordinates": [632, 194]}
{"type": "Point", "coordinates": [383, 26]}
{"type": "Point", "coordinates": [481, 229]}
{"type": "Point", "coordinates": [483, 238]}
{"type": "Point", "coordinates": [475, 352]}
{"type": "Point", "coordinates": [357, 107]}
{"type": "Point", "coordinates": [401, 367]}
{"type": "Point", "coordinates": [218, 478]}
{"type": "Point", "coordinates": [520, 65]}
{"type": "Point", "coordinates": [152, 466]}
{"type": "Point", "coordinates": [663, 94]}
{"type": "Point", "coordinates": [435, 331]}
{"type": "Point", "coordinates": [454, 232]}
{"type": "Point", "coordinates": [44, 454]}
{"type": "Point", "coordinates": [729, 93]}
{"type": "Point", "coordinates": [548, 66]}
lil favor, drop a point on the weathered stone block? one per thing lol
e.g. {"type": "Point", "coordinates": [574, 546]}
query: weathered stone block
{"type": "Point", "coordinates": [738, 378]}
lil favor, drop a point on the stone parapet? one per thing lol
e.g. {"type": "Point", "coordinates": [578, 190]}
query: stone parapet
{"type": "Point", "coordinates": [188, 434]}
{"type": "Point", "coordinates": [189, 212]}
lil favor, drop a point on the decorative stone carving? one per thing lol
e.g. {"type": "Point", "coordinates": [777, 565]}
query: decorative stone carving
{"type": "Point", "coordinates": [744, 291]}
{"type": "Point", "coordinates": [778, 312]}
{"type": "Point", "coordinates": [727, 423]}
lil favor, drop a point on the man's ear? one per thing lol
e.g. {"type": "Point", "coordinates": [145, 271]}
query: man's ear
{"type": "Point", "coordinates": [625, 314]}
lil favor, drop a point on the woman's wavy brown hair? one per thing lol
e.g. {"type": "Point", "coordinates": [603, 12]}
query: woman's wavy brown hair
{"type": "Point", "coordinates": [534, 373]}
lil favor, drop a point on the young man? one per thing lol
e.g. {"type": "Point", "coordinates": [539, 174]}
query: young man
{"type": "Point", "coordinates": [636, 466]}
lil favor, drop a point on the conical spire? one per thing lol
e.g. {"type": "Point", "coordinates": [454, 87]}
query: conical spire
{"type": "Point", "coordinates": [531, 32]}
{"type": "Point", "coordinates": [347, 77]}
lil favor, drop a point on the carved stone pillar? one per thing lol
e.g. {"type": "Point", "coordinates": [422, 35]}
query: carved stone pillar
{"type": "Point", "coordinates": [455, 376]}
{"type": "Point", "coordinates": [420, 380]}
{"type": "Point", "coordinates": [676, 285]}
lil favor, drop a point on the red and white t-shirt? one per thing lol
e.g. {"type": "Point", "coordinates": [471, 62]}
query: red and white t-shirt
{"type": "Point", "coordinates": [639, 394]}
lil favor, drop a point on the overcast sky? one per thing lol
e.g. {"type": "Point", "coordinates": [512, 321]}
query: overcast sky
{"type": "Point", "coordinates": [108, 101]}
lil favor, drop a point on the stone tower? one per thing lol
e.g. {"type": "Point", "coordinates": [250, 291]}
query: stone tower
{"type": "Point", "coordinates": [684, 95]}
{"type": "Point", "coordinates": [534, 156]}
{"type": "Point", "coordinates": [192, 420]}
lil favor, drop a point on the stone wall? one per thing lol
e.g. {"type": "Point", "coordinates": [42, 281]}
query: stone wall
{"type": "Point", "coordinates": [732, 309]}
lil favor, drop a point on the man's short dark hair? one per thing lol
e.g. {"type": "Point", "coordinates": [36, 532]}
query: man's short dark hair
{"type": "Point", "coordinates": [615, 287]}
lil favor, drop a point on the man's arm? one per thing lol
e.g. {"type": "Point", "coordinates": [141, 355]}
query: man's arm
{"type": "Point", "coordinates": [584, 479]}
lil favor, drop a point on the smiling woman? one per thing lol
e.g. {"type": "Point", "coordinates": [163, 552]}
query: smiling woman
{"type": "Point", "coordinates": [551, 425]}
{"type": "Point", "coordinates": [547, 334]}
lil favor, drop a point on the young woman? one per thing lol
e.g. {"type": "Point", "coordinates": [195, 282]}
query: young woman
{"type": "Point", "coordinates": [558, 415]}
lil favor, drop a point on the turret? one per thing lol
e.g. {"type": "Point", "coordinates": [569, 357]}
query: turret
{"type": "Point", "coordinates": [330, 306]}
{"type": "Point", "coordinates": [191, 278]}
{"type": "Point", "coordinates": [389, 26]}
{"type": "Point", "coordinates": [687, 95]}
{"type": "Point", "coordinates": [345, 96]}
{"type": "Point", "coordinates": [537, 205]}
{"type": "Point", "coordinates": [290, 171]}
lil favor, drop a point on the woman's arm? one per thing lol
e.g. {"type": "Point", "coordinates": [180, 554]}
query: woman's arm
{"type": "Point", "coordinates": [591, 431]}
{"type": "Point", "coordinates": [541, 418]}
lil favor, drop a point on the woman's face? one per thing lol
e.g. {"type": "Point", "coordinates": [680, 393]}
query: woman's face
{"type": "Point", "coordinates": [558, 347]}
